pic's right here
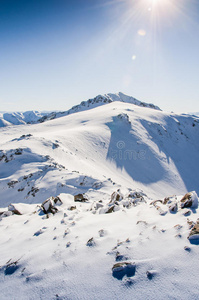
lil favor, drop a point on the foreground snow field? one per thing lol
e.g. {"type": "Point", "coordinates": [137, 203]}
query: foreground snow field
{"type": "Point", "coordinates": [106, 236]}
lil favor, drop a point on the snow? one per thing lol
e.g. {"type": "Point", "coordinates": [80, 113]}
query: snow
{"type": "Point", "coordinates": [20, 118]}
{"type": "Point", "coordinates": [133, 164]}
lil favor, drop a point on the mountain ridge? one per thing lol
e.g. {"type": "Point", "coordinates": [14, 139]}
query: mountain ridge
{"type": "Point", "coordinates": [32, 117]}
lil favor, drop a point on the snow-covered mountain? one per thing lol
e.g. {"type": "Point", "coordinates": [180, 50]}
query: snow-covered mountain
{"type": "Point", "coordinates": [32, 117]}
{"type": "Point", "coordinates": [98, 101]}
{"type": "Point", "coordinates": [19, 118]}
{"type": "Point", "coordinates": [118, 224]}
{"type": "Point", "coordinates": [195, 114]}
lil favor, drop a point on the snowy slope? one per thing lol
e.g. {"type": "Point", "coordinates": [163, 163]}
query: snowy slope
{"type": "Point", "coordinates": [136, 147]}
{"type": "Point", "coordinates": [144, 153]}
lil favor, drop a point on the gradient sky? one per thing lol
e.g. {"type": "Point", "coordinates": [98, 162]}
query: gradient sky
{"type": "Point", "coordinates": [57, 53]}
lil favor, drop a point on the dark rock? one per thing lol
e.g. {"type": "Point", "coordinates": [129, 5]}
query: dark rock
{"type": "Point", "coordinates": [190, 223]}
{"type": "Point", "coordinates": [11, 268]}
{"type": "Point", "coordinates": [116, 197]}
{"type": "Point", "coordinates": [119, 270]}
{"type": "Point", "coordinates": [72, 208]}
{"type": "Point", "coordinates": [12, 183]}
{"type": "Point", "coordinates": [186, 212]}
{"type": "Point", "coordinates": [18, 151]}
{"type": "Point", "coordinates": [194, 233]}
{"type": "Point", "coordinates": [120, 257]}
{"type": "Point", "coordinates": [142, 222]}
{"type": "Point", "coordinates": [57, 201]}
{"type": "Point", "coordinates": [33, 191]}
{"type": "Point", "coordinates": [186, 248]}
{"type": "Point", "coordinates": [189, 200]}
{"type": "Point", "coordinates": [37, 233]}
{"type": "Point", "coordinates": [110, 209]}
{"type": "Point", "coordinates": [169, 199]}
{"type": "Point", "coordinates": [173, 207]}
{"type": "Point", "coordinates": [150, 274]}
{"type": "Point", "coordinates": [91, 242]}
{"type": "Point", "coordinates": [48, 206]}
{"type": "Point", "coordinates": [14, 210]}
{"type": "Point", "coordinates": [80, 198]}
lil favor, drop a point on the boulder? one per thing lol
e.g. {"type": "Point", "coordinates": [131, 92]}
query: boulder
{"type": "Point", "coordinates": [119, 270]}
{"type": "Point", "coordinates": [110, 209]}
{"type": "Point", "coordinates": [80, 198]}
{"type": "Point", "coordinates": [189, 200]}
{"type": "Point", "coordinates": [57, 201]}
{"type": "Point", "coordinates": [48, 206]}
{"type": "Point", "coordinates": [194, 233]}
{"type": "Point", "coordinates": [116, 197]}
{"type": "Point", "coordinates": [14, 210]}
{"type": "Point", "coordinates": [173, 207]}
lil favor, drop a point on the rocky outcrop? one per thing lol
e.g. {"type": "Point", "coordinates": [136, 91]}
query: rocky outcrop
{"type": "Point", "coordinates": [194, 233]}
{"type": "Point", "coordinates": [189, 200]}
{"type": "Point", "coordinates": [48, 206]}
{"type": "Point", "coordinates": [116, 197]}
{"type": "Point", "coordinates": [14, 210]}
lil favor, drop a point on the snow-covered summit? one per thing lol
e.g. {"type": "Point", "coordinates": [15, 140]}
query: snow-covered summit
{"type": "Point", "coordinates": [98, 101]}
{"type": "Point", "coordinates": [108, 98]}
{"type": "Point", "coordinates": [32, 117]}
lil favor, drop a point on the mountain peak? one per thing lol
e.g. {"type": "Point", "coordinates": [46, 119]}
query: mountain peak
{"type": "Point", "coordinates": [31, 117]}
{"type": "Point", "coordinates": [108, 98]}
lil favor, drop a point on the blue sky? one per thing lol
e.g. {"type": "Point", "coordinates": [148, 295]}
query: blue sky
{"type": "Point", "coordinates": [56, 53]}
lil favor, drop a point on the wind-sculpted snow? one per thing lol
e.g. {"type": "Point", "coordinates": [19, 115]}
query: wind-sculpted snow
{"type": "Point", "coordinates": [76, 250]}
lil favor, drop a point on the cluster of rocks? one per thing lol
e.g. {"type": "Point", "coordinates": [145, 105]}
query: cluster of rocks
{"type": "Point", "coordinates": [119, 201]}
{"type": "Point", "coordinates": [8, 156]}
{"type": "Point", "coordinates": [173, 205]}
{"type": "Point", "coordinates": [123, 117]}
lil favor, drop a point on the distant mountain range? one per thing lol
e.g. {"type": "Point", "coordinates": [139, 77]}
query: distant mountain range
{"type": "Point", "coordinates": [19, 118]}
{"type": "Point", "coordinates": [32, 117]}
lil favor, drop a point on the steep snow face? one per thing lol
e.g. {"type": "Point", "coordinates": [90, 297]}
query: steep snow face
{"type": "Point", "coordinates": [115, 144]}
{"type": "Point", "coordinates": [19, 118]}
{"type": "Point", "coordinates": [99, 101]}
